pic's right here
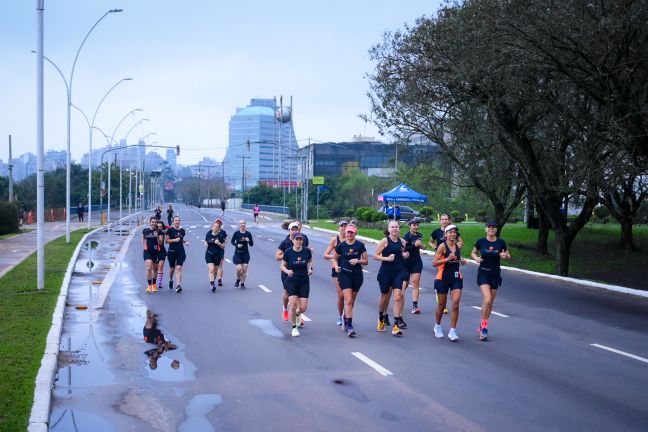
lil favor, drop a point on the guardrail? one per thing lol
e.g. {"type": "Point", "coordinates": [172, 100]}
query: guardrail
{"type": "Point", "coordinates": [269, 208]}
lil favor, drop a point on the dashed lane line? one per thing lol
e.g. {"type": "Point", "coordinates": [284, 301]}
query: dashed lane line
{"type": "Point", "coordinates": [269, 239]}
{"type": "Point", "coordinates": [493, 312]}
{"type": "Point", "coordinates": [227, 260]}
{"type": "Point", "coordinates": [265, 288]}
{"type": "Point", "coordinates": [305, 318]}
{"type": "Point", "coordinates": [623, 353]}
{"type": "Point", "coordinates": [366, 271]}
{"type": "Point", "coordinates": [363, 358]}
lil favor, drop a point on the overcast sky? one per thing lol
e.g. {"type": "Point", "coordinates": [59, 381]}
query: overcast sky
{"type": "Point", "coordinates": [192, 63]}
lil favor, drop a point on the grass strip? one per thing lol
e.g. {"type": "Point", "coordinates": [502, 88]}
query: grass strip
{"type": "Point", "coordinates": [25, 320]}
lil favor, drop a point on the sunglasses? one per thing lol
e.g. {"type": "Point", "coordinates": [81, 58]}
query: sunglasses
{"type": "Point", "coordinates": [298, 238]}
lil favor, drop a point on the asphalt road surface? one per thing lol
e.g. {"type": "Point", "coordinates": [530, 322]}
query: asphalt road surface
{"type": "Point", "coordinates": [558, 357]}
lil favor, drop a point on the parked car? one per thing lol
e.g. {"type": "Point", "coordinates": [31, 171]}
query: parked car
{"type": "Point", "coordinates": [406, 213]}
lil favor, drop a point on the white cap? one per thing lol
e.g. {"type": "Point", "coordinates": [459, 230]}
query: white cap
{"type": "Point", "coordinates": [293, 224]}
{"type": "Point", "coordinates": [449, 227]}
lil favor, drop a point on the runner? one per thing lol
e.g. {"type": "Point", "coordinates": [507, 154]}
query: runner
{"type": "Point", "coordinates": [414, 263]}
{"type": "Point", "coordinates": [176, 253]}
{"type": "Point", "coordinates": [158, 213]}
{"type": "Point", "coordinates": [151, 243]}
{"type": "Point", "coordinates": [449, 278]}
{"type": "Point", "coordinates": [350, 256]}
{"type": "Point", "coordinates": [215, 240]}
{"type": "Point", "coordinates": [488, 252]}
{"type": "Point", "coordinates": [297, 265]}
{"type": "Point", "coordinates": [438, 236]}
{"type": "Point", "coordinates": [241, 240]}
{"type": "Point", "coordinates": [162, 253]}
{"type": "Point", "coordinates": [256, 213]}
{"type": "Point", "coordinates": [169, 214]}
{"type": "Point", "coordinates": [294, 227]}
{"type": "Point", "coordinates": [223, 207]}
{"type": "Point", "coordinates": [330, 255]}
{"type": "Point", "coordinates": [391, 278]}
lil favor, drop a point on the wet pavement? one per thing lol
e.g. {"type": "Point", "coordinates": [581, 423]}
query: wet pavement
{"type": "Point", "coordinates": [105, 380]}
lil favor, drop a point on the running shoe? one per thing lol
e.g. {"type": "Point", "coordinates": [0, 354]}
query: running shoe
{"type": "Point", "coordinates": [170, 284]}
{"type": "Point", "coordinates": [351, 332]}
{"type": "Point", "coordinates": [179, 289]}
{"type": "Point", "coordinates": [416, 310]}
{"type": "Point", "coordinates": [445, 311]}
{"type": "Point", "coordinates": [381, 326]}
{"type": "Point", "coordinates": [438, 331]}
{"type": "Point", "coordinates": [242, 285]}
{"type": "Point", "coordinates": [148, 289]}
{"type": "Point", "coordinates": [284, 314]}
{"type": "Point", "coordinates": [402, 324]}
{"type": "Point", "coordinates": [452, 335]}
{"type": "Point", "coordinates": [160, 286]}
{"type": "Point", "coordinates": [213, 287]}
{"type": "Point", "coordinates": [295, 332]}
{"type": "Point", "coordinates": [396, 331]}
{"type": "Point", "coordinates": [339, 321]}
{"type": "Point", "coordinates": [483, 333]}
{"type": "Point", "coordinates": [386, 321]}
{"type": "Point", "coordinates": [220, 282]}
{"type": "Point", "coordinates": [153, 288]}
{"type": "Point", "coordinates": [236, 284]}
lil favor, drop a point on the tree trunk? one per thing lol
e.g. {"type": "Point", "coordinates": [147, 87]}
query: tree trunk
{"type": "Point", "coordinates": [627, 241]}
{"type": "Point", "coordinates": [563, 243]}
{"type": "Point", "coordinates": [543, 237]}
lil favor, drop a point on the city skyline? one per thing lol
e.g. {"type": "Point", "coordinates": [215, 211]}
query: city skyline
{"type": "Point", "coordinates": [191, 67]}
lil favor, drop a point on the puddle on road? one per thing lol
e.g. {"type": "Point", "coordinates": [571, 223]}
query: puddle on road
{"type": "Point", "coordinates": [267, 327]}
{"type": "Point", "coordinates": [197, 409]}
{"type": "Point", "coordinates": [76, 420]}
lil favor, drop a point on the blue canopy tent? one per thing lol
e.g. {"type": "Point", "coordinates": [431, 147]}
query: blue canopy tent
{"type": "Point", "coordinates": [402, 193]}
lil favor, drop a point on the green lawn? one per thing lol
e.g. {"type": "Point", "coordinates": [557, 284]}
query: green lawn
{"type": "Point", "coordinates": [594, 241]}
{"type": "Point", "coordinates": [26, 317]}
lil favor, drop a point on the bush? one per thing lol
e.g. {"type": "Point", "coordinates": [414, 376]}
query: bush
{"type": "Point", "coordinates": [378, 216]}
{"type": "Point", "coordinates": [349, 213]}
{"type": "Point", "coordinates": [601, 212]}
{"type": "Point", "coordinates": [426, 212]}
{"type": "Point", "coordinates": [8, 218]}
{"type": "Point", "coordinates": [454, 214]}
{"type": "Point", "coordinates": [363, 213]}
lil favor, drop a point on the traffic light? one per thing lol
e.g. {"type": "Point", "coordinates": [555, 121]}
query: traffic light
{"type": "Point", "coordinates": [177, 150]}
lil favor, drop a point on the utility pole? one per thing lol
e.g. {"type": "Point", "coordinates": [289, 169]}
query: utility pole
{"type": "Point", "coordinates": [10, 173]}
{"type": "Point", "coordinates": [243, 175]}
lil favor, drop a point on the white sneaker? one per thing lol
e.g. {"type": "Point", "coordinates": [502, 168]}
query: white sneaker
{"type": "Point", "coordinates": [452, 335]}
{"type": "Point", "coordinates": [438, 331]}
{"type": "Point", "coordinates": [295, 332]}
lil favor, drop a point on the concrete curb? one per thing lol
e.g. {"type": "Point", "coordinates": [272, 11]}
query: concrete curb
{"type": "Point", "coordinates": [583, 282]}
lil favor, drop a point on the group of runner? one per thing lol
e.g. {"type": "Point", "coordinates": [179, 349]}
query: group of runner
{"type": "Point", "coordinates": [400, 265]}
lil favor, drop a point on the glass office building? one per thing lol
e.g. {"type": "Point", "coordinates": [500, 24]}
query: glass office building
{"type": "Point", "coordinates": [261, 149]}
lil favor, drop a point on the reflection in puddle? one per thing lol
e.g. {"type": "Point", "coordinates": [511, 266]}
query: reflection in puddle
{"type": "Point", "coordinates": [267, 327]}
{"type": "Point", "coordinates": [197, 409]}
{"type": "Point", "coordinates": [76, 420]}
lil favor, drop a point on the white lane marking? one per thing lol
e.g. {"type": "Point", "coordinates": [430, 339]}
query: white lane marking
{"type": "Point", "coordinates": [264, 288]}
{"type": "Point", "coordinates": [269, 239]}
{"type": "Point", "coordinates": [366, 271]}
{"type": "Point", "coordinates": [234, 226]}
{"type": "Point", "coordinates": [632, 356]}
{"type": "Point", "coordinates": [192, 226]}
{"type": "Point", "coordinates": [305, 317]}
{"type": "Point", "coordinates": [206, 226]}
{"type": "Point", "coordinates": [493, 312]}
{"type": "Point", "coordinates": [381, 370]}
{"type": "Point", "coordinates": [229, 261]}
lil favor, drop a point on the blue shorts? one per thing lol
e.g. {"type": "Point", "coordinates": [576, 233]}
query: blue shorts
{"type": "Point", "coordinates": [414, 265]}
{"type": "Point", "coordinates": [489, 278]}
{"type": "Point", "coordinates": [298, 286]}
{"type": "Point", "coordinates": [153, 256]}
{"type": "Point", "coordinates": [176, 257]}
{"type": "Point", "coordinates": [391, 280]}
{"type": "Point", "coordinates": [350, 280]}
{"type": "Point", "coordinates": [213, 258]}
{"type": "Point", "coordinates": [162, 254]}
{"type": "Point", "coordinates": [443, 286]}
{"type": "Point", "coordinates": [241, 258]}
{"type": "Point", "coordinates": [334, 274]}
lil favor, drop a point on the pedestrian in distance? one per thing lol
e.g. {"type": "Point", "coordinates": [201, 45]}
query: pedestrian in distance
{"type": "Point", "coordinates": [222, 207]}
{"type": "Point", "coordinates": [256, 211]}
{"type": "Point", "coordinates": [392, 278]}
{"type": "Point", "coordinates": [414, 264]}
{"type": "Point", "coordinates": [293, 227]}
{"type": "Point", "coordinates": [80, 212]}
{"type": "Point", "coordinates": [350, 256]}
{"type": "Point", "coordinates": [176, 254]}
{"type": "Point", "coordinates": [297, 264]}
{"type": "Point", "coordinates": [158, 213]}
{"type": "Point", "coordinates": [488, 252]}
{"type": "Point", "coordinates": [169, 214]}
{"type": "Point", "coordinates": [242, 240]}
{"type": "Point", "coordinates": [329, 254]}
{"type": "Point", "coordinates": [449, 279]}
{"type": "Point", "coordinates": [151, 243]}
{"type": "Point", "coordinates": [162, 253]}
{"type": "Point", "coordinates": [215, 241]}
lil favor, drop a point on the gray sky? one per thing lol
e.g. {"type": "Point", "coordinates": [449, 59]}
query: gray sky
{"type": "Point", "coordinates": [192, 64]}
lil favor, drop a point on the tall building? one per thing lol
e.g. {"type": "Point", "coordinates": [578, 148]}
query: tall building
{"type": "Point", "coordinates": [262, 146]}
{"type": "Point", "coordinates": [55, 159]}
{"type": "Point", "coordinates": [171, 158]}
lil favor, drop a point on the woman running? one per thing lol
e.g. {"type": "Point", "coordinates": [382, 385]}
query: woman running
{"type": "Point", "coordinates": [169, 214]}
{"type": "Point", "coordinates": [151, 243]}
{"type": "Point", "coordinates": [330, 255]}
{"type": "Point", "coordinates": [176, 254]}
{"type": "Point", "coordinates": [162, 254]}
{"type": "Point", "coordinates": [488, 252]}
{"type": "Point", "coordinates": [390, 251]}
{"type": "Point", "coordinates": [215, 240]}
{"type": "Point", "coordinates": [414, 263]}
{"type": "Point", "coordinates": [297, 265]}
{"type": "Point", "coordinates": [294, 227]}
{"type": "Point", "coordinates": [255, 211]}
{"type": "Point", "coordinates": [350, 256]}
{"type": "Point", "coordinates": [438, 236]}
{"type": "Point", "coordinates": [241, 240]}
{"type": "Point", "coordinates": [447, 261]}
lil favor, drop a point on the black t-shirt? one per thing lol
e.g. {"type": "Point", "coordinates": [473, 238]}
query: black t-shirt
{"type": "Point", "coordinates": [211, 239]}
{"type": "Point", "coordinates": [172, 234]}
{"type": "Point", "coordinates": [151, 239]}
{"type": "Point", "coordinates": [347, 252]}
{"type": "Point", "coordinates": [396, 248]}
{"type": "Point", "coordinates": [410, 239]}
{"type": "Point", "coordinates": [287, 243]}
{"type": "Point", "coordinates": [158, 213]}
{"type": "Point", "coordinates": [489, 251]}
{"type": "Point", "coordinates": [241, 241]}
{"type": "Point", "coordinates": [298, 261]}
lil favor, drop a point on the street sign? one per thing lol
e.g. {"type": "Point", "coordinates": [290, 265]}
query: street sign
{"type": "Point", "coordinates": [318, 180]}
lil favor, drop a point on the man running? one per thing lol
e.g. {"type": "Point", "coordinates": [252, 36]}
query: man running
{"type": "Point", "coordinates": [241, 240]}
{"type": "Point", "coordinates": [176, 254]}
{"type": "Point", "coordinates": [151, 243]}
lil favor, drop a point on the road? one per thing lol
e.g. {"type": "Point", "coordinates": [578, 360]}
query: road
{"type": "Point", "coordinates": [549, 362]}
